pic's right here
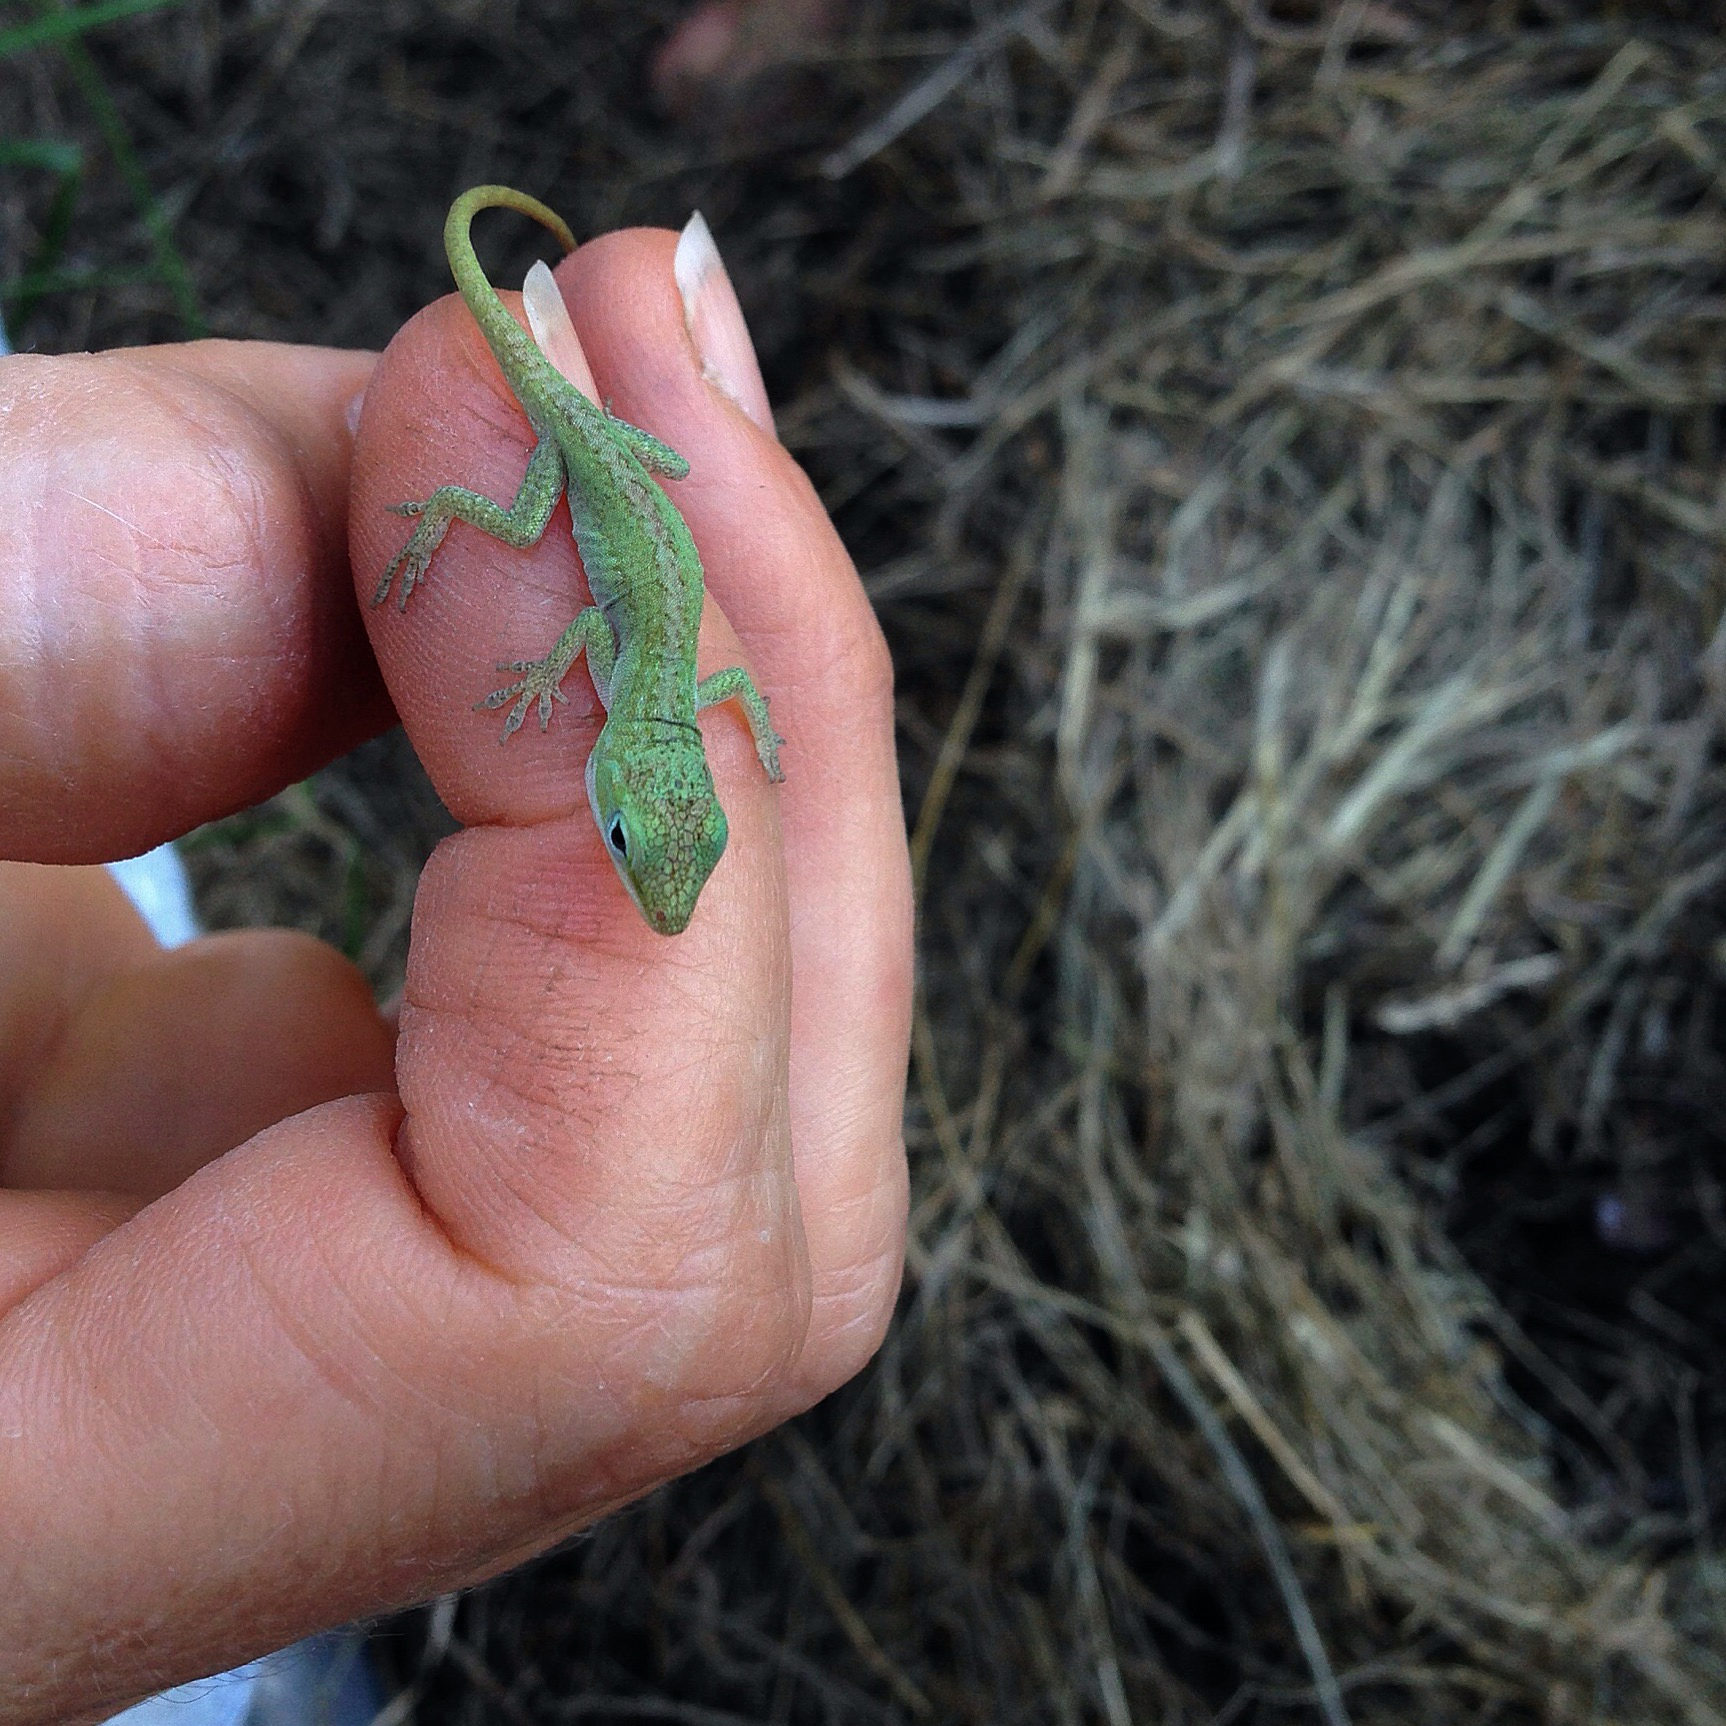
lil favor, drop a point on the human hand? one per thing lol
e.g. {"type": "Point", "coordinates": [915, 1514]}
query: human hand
{"type": "Point", "coordinates": [639, 1198]}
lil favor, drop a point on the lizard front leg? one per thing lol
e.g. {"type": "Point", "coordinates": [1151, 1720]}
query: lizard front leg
{"type": "Point", "coordinates": [519, 526]}
{"type": "Point", "coordinates": [655, 456]}
{"type": "Point", "coordinates": [737, 685]}
{"type": "Point", "coordinates": [589, 633]}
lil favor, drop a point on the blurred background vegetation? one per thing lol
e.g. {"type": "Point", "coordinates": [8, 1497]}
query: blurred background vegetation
{"type": "Point", "coordinates": [1283, 441]}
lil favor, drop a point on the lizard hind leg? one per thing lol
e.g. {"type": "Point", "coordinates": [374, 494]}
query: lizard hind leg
{"type": "Point", "coordinates": [518, 527]}
{"type": "Point", "coordinates": [735, 684]}
{"type": "Point", "coordinates": [541, 679]}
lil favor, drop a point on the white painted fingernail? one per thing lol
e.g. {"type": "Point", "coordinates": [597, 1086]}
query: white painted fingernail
{"type": "Point", "coordinates": [553, 333]}
{"type": "Point", "coordinates": [716, 325]}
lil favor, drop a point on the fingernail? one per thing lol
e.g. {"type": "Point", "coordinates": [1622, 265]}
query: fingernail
{"type": "Point", "coordinates": [716, 325]}
{"type": "Point", "coordinates": [553, 334]}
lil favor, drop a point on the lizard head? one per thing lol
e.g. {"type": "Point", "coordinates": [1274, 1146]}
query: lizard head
{"type": "Point", "coordinates": [653, 798]}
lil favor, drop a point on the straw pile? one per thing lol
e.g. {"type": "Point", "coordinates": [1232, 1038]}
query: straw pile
{"type": "Point", "coordinates": [1328, 415]}
{"type": "Point", "coordinates": [1285, 448]}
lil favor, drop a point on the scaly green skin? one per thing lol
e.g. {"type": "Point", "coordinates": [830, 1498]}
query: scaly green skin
{"type": "Point", "coordinates": [647, 778]}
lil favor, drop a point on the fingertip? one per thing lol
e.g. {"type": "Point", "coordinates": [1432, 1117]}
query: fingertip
{"type": "Point", "coordinates": [553, 333]}
{"type": "Point", "coordinates": [123, 1100]}
{"type": "Point", "coordinates": [439, 412]}
{"type": "Point", "coordinates": [716, 325]}
{"type": "Point", "coordinates": [43, 1234]}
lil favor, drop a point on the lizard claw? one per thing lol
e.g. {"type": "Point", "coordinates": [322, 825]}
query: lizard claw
{"type": "Point", "coordinates": [413, 558]}
{"type": "Point", "coordinates": [388, 579]}
{"type": "Point", "coordinates": [535, 685]}
{"type": "Point", "coordinates": [412, 567]}
{"type": "Point", "coordinates": [769, 758]}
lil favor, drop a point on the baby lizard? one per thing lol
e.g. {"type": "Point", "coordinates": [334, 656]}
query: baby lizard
{"type": "Point", "coordinates": [647, 777]}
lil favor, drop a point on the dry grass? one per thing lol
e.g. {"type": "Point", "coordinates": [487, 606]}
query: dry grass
{"type": "Point", "coordinates": [1339, 764]}
{"type": "Point", "coordinates": [1286, 453]}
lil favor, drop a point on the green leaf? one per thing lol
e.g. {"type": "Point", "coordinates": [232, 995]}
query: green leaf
{"type": "Point", "coordinates": [50, 153]}
{"type": "Point", "coordinates": [60, 26]}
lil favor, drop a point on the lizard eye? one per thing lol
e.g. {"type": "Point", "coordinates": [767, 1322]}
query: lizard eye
{"type": "Point", "coordinates": [617, 838]}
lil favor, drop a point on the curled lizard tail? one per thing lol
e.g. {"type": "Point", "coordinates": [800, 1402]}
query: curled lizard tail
{"type": "Point", "coordinates": [501, 330]}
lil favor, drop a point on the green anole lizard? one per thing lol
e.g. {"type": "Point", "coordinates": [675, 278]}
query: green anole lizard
{"type": "Point", "coordinates": [647, 777]}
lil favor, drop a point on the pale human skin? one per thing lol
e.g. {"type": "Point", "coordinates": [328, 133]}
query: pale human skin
{"type": "Point", "coordinates": [611, 1205]}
